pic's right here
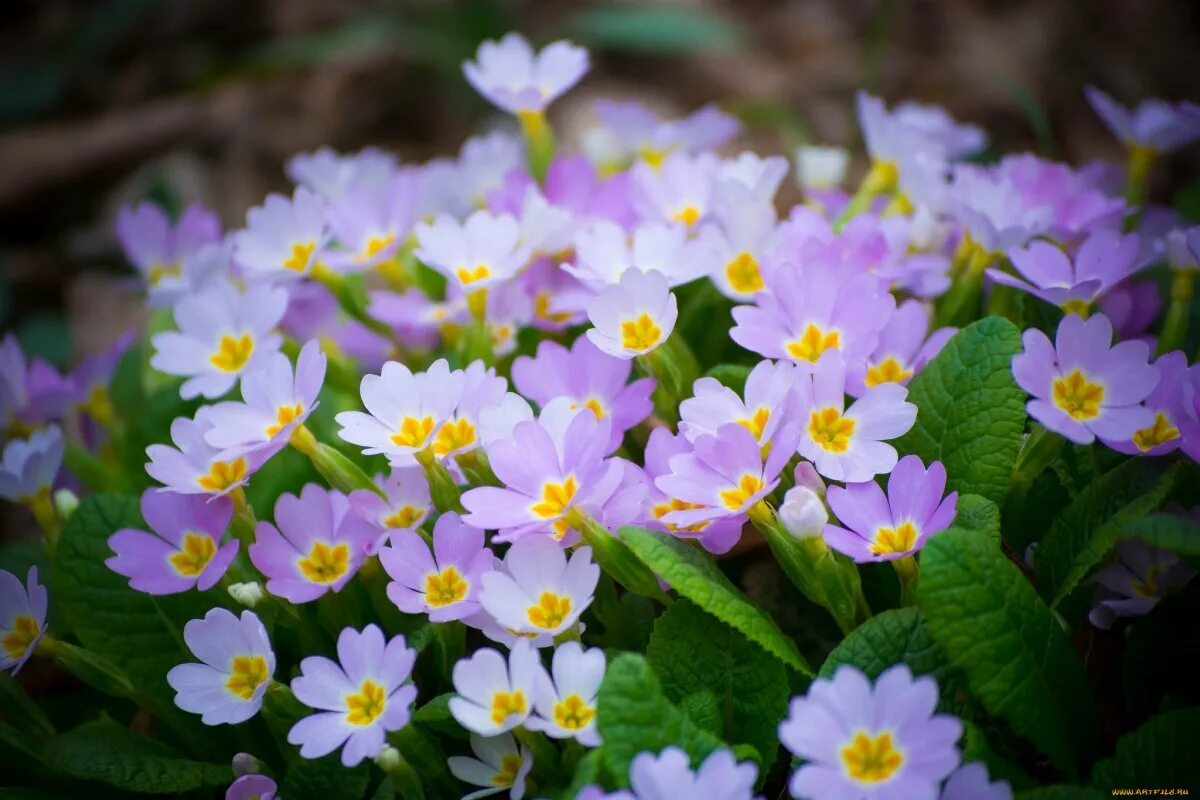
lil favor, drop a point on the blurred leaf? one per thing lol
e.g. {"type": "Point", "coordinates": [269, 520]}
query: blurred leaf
{"type": "Point", "coordinates": [658, 29]}
{"type": "Point", "coordinates": [1160, 753]}
{"type": "Point", "coordinates": [46, 335]}
{"type": "Point", "coordinates": [1035, 115]}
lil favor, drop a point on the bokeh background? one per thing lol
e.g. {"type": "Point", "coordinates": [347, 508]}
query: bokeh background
{"type": "Point", "coordinates": [103, 102]}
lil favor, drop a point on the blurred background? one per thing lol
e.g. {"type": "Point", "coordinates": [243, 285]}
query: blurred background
{"type": "Point", "coordinates": [104, 102]}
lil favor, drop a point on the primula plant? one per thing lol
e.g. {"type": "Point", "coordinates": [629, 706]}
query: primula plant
{"type": "Point", "coordinates": [593, 472]}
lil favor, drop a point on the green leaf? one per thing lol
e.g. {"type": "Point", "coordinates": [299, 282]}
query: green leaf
{"type": "Point", "coordinates": [436, 716]}
{"type": "Point", "coordinates": [587, 772]}
{"type": "Point", "coordinates": [971, 413]}
{"type": "Point", "coordinates": [1087, 529]}
{"type": "Point", "coordinates": [103, 750]}
{"type": "Point", "coordinates": [696, 656]}
{"type": "Point", "coordinates": [692, 574]}
{"type": "Point", "coordinates": [977, 513]}
{"type": "Point", "coordinates": [1173, 532]}
{"type": "Point", "coordinates": [1161, 753]}
{"type": "Point", "coordinates": [661, 30]}
{"type": "Point", "coordinates": [992, 626]}
{"type": "Point", "coordinates": [632, 715]}
{"type": "Point", "coordinates": [324, 779]}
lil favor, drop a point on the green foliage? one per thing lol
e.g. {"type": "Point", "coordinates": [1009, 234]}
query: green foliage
{"type": "Point", "coordinates": [324, 779]}
{"type": "Point", "coordinates": [1161, 753]}
{"type": "Point", "coordinates": [993, 627]}
{"type": "Point", "coordinates": [692, 574]}
{"type": "Point", "coordinates": [658, 29]}
{"type": "Point", "coordinates": [701, 660]}
{"type": "Point", "coordinates": [977, 513]}
{"type": "Point", "coordinates": [971, 413]}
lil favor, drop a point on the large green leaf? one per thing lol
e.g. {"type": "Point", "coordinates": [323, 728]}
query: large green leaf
{"type": "Point", "coordinates": [892, 637]}
{"type": "Point", "coordinates": [977, 513]}
{"type": "Point", "coordinates": [692, 574]}
{"type": "Point", "coordinates": [103, 750]}
{"type": "Point", "coordinates": [697, 655]}
{"type": "Point", "coordinates": [324, 779]}
{"type": "Point", "coordinates": [632, 716]}
{"type": "Point", "coordinates": [1173, 532]}
{"type": "Point", "coordinates": [971, 413]}
{"type": "Point", "coordinates": [1086, 530]}
{"type": "Point", "coordinates": [1161, 754]}
{"type": "Point", "coordinates": [994, 628]}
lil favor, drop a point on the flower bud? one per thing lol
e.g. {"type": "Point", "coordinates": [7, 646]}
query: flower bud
{"type": "Point", "coordinates": [247, 594]}
{"type": "Point", "coordinates": [803, 512]}
{"type": "Point", "coordinates": [388, 759]}
{"type": "Point", "coordinates": [806, 475]}
{"type": "Point", "coordinates": [65, 501]}
{"type": "Point", "coordinates": [245, 764]}
{"type": "Point", "coordinates": [821, 167]}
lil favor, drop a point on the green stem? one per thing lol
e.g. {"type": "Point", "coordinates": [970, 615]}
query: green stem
{"type": "Point", "coordinates": [1040, 450]}
{"type": "Point", "coordinates": [616, 558]}
{"type": "Point", "coordinates": [908, 572]}
{"type": "Point", "coordinates": [443, 490]}
{"type": "Point", "coordinates": [91, 668]}
{"type": "Point", "coordinates": [338, 471]}
{"type": "Point", "coordinates": [880, 179]}
{"type": "Point", "coordinates": [674, 368]}
{"type": "Point", "coordinates": [1175, 327]}
{"type": "Point", "coordinates": [1141, 160]}
{"type": "Point", "coordinates": [244, 521]}
{"type": "Point", "coordinates": [539, 142]}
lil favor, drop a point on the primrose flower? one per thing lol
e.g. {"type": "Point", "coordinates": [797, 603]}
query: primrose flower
{"type": "Point", "coordinates": [870, 743]}
{"type": "Point", "coordinates": [970, 782]}
{"type": "Point", "coordinates": [1135, 581]}
{"type": "Point", "coordinates": [1081, 388]}
{"type": "Point", "coordinates": [726, 474]}
{"type": "Point", "coordinates": [631, 130]}
{"type": "Point", "coordinates": [587, 377]}
{"type": "Point", "coordinates": [500, 764]}
{"type": "Point", "coordinates": [604, 252]}
{"type": "Point", "coordinates": [478, 253]}
{"type": "Point", "coordinates": [634, 316]}
{"type": "Point", "coordinates": [759, 177]}
{"type": "Point", "coordinates": [30, 466]}
{"type": "Point", "coordinates": [444, 585]}
{"type": "Point", "coordinates": [404, 506]}
{"type": "Point", "coordinates": [891, 136]}
{"type": "Point", "coordinates": [717, 535]}
{"type": "Point", "coordinates": [481, 388]}
{"type": "Point", "coordinates": [537, 591]}
{"type": "Point", "coordinates": [669, 774]}
{"type": "Point", "coordinates": [566, 697]}
{"type": "Point", "coordinates": [882, 527]}
{"type": "Point", "coordinates": [252, 787]}
{"type": "Point", "coordinates": [515, 79]}
{"type": "Point", "coordinates": [679, 190]}
{"type": "Point", "coordinates": [91, 379]}
{"type": "Point", "coordinates": [549, 467]}
{"type": "Point", "coordinates": [849, 444]}
{"type": "Point", "coordinates": [1104, 259]}
{"type": "Point", "coordinates": [905, 347]}
{"type": "Point", "coordinates": [806, 311]}
{"type": "Point", "coordinates": [371, 220]}
{"type": "Point", "coordinates": [222, 331]}
{"type": "Point", "coordinates": [1078, 201]}
{"type": "Point", "coordinates": [193, 466]}
{"type": "Point", "coordinates": [160, 250]}
{"type": "Point", "coordinates": [317, 548]}
{"type": "Point", "coordinates": [992, 211]}
{"type": "Point", "coordinates": [1155, 124]}
{"type": "Point", "coordinates": [284, 237]}
{"type": "Point", "coordinates": [495, 695]}
{"type": "Point", "coordinates": [331, 174]}
{"type": "Point", "coordinates": [183, 547]}
{"type": "Point", "coordinates": [237, 666]}
{"type": "Point", "coordinates": [1168, 402]}
{"type": "Point", "coordinates": [275, 402]}
{"type": "Point", "coordinates": [742, 239]}
{"type": "Point", "coordinates": [769, 401]}
{"type": "Point", "coordinates": [406, 411]}
{"type": "Point", "coordinates": [22, 618]}
{"type": "Point", "coordinates": [359, 700]}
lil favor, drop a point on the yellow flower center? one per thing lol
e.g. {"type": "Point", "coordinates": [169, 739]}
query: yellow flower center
{"type": "Point", "coordinates": [809, 345]}
{"type": "Point", "coordinates": [1161, 432]}
{"type": "Point", "coordinates": [404, 517]}
{"type": "Point", "coordinates": [654, 157]}
{"type": "Point", "coordinates": [1147, 588]}
{"type": "Point", "coordinates": [501, 335]}
{"type": "Point", "coordinates": [1077, 306]}
{"type": "Point", "coordinates": [191, 559]}
{"type": "Point", "coordinates": [454, 435]}
{"type": "Point", "coordinates": [284, 416]}
{"type": "Point", "coordinates": [223, 474]}
{"type": "Point", "coordinates": [555, 498]}
{"type": "Point", "coordinates": [510, 765]}
{"type": "Point", "coordinates": [505, 704]}
{"type": "Point", "coordinates": [830, 429]}
{"type": "Point", "coordinates": [366, 705]}
{"type": "Point", "coordinates": [871, 759]}
{"type": "Point", "coordinates": [890, 370]}
{"type": "Point", "coordinates": [572, 713]}
{"type": "Point", "coordinates": [743, 274]}
{"type": "Point", "coordinates": [413, 432]}
{"type": "Point", "coordinates": [660, 510]}
{"type": "Point", "coordinates": [640, 334]}
{"type": "Point", "coordinates": [376, 245]}
{"type": "Point", "coordinates": [757, 423]}
{"type": "Point", "coordinates": [301, 255]}
{"type": "Point", "coordinates": [1078, 396]}
{"type": "Point", "coordinates": [159, 271]}
{"type": "Point", "coordinates": [689, 215]}
{"type": "Point", "coordinates": [325, 563]}
{"type": "Point", "coordinates": [246, 674]}
{"type": "Point", "coordinates": [232, 354]}
{"type": "Point", "coordinates": [445, 588]}
{"type": "Point", "coordinates": [18, 639]}
{"type": "Point", "coordinates": [99, 406]}
{"type": "Point", "coordinates": [595, 405]}
{"type": "Point", "coordinates": [468, 276]}
{"type": "Point", "coordinates": [900, 539]}
{"type": "Point", "coordinates": [541, 309]}
{"type": "Point", "coordinates": [747, 486]}
{"type": "Point", "coordinates": [550, 611]}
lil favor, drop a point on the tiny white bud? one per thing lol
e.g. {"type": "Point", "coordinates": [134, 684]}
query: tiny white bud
{"type": "Point", "coordinates": [821, 167]}
{"type": "Point", "coordinates": [247, 594]}
{"type": "Point", "coordinates": [389, 758]}
{"type": "Point", "coordinates": [803, 513]}
{"type": "Point", "coordinates": [245, 764]}
{"type": "Point", "coordinates": [65, 503]}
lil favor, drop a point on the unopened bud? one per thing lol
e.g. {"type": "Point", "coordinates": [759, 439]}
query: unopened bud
{"type": "Point", "coordinates": [245, 764]}
{"type": "Point", "coordinates": [246, 594]}
{"type": "Point", "coordinates": [806, 475]}
{"type": "Point", "coordinates": [389, 758]}
{"type": "Point", "coordinates": [803, 513]}
{"type": "Point", "coordinates": [65, 502]}
{"type": "Point", "coordinates": [821, 167]}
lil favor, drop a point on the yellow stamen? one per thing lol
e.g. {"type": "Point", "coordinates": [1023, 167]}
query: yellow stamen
{"type": "Point", "coordinates": [301, 255]}
{"type": "Point", "coordinates": [743, 274]}
{"type": "Point", "coordinates": [831, 430]}
{"type": "Point", "coordinates": [550, 611]}
{"type": "Point", "coordinates": [223, 474]}
{"type": "Point", "coordinates": [505, 704]}
{"type": "Point", "coordinates": [901, 539]}
{"type": "Point", "coordinates": [20, 636]}
{"type": "Point", "coordinates": [595, 405]}
{"type": "Point", "coordinates": [468, 276]}
{"type": "Point", "coordinates": [246, 674]}
{"type": "Point", "coordinates": [413, 432]}
{"type": "Point", "coordinates": [454, 435]}
{"type": "Point", "coordinates": [1076, 306]}
{"type": "Point", "coordinates": [555, 498]}
{"type": "Point", "coordinates": [641, 333]}
{"type": "Point", "coordinates": [660, 510]}
{"type": "Point", "coordinates": [1079, 397]}
{"type": "Point", "coordinates": [748, 485]}
{"type": "Point", "coordinates": [541, 309]}
{"type": "Point", "coordinates": [366, 705]}
{"type": "Point", "coordinates": [325, 563]}
{"type": "Point", "coordinates": [812, 343]}
{"type": "Point", "coordinates": [890, 370]}
{"type": "Point", "coordinates": [445, 588]}
{"type": "Point", "coordinates": [510, 765]}
{"type": "Point", "coordinates": [404, 517]}
{"type": "Point", "coordinates": [232, 354]}
{"type": "Point", "coordinates": [871, 759]}
{"type": "Point", "coordinates": [572, 713]}
{"type": "Point", "coordinates": [758, 422]}
{"type": "Point", "coordinates": [376, 245]}
{"type": "Point", "coordinates": [191, 559]}
{"type": "Point", "coordinates": [284, 416]}
{"type": "Point", "coordinates": [159, 271]}
{"type": "Point", "coordinates": [1161, 432]}
{"type": "Point", "coordinates": [688, 215]}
